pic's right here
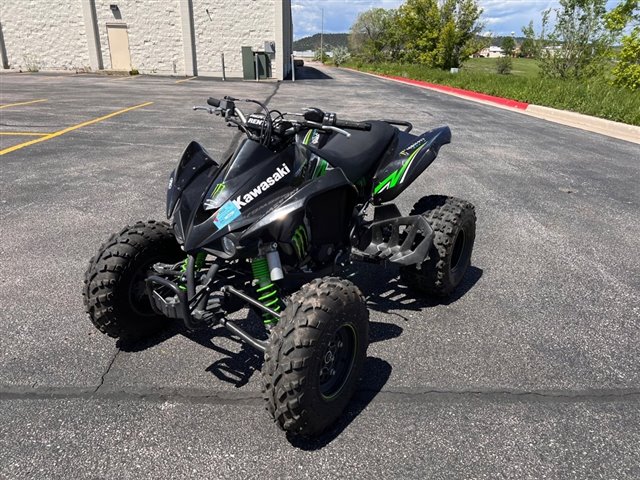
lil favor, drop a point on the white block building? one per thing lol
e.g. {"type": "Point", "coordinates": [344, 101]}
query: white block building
{"type": "Point", "coordinates": [168, 37]}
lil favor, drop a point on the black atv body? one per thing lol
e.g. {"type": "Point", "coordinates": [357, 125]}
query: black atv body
{"type": "Point", "coordinates": [265, 226]}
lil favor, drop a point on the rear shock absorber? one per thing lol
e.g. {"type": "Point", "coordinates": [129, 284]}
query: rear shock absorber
{"type": "Point", "coordinates": [268, 292]}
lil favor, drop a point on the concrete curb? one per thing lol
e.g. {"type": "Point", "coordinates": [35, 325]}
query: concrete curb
{"type": "Point", "coordinates": [621, 131]}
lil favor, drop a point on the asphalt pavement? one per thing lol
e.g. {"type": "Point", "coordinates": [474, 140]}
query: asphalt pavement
{"type": "Point", "coordinates": [529, 371]}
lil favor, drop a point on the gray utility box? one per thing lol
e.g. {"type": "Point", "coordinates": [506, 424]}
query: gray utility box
{"type": "Point", "coordinates": [249, 64]}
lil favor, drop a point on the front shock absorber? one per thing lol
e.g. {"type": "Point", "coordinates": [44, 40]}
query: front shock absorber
{"type": "Point", "coordinates": [268, 292]}
{"type": "Point", "coordinates": [199, 263]}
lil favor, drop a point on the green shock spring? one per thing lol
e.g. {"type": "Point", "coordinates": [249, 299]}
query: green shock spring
{"type": "Point", "coordinates": [200, 258]}
{"type": "Point", "coordinates": [268, 293]}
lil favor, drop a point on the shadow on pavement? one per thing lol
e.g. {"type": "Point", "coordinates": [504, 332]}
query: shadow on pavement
{"type": "Point", "coordinates": [140, 345]}
{"type": "Point", "coordinates": [377, 372]}
{"type": "Point", "coordinates": [310, 73]}
{"type": "Point", "coordinates": [384, 291]}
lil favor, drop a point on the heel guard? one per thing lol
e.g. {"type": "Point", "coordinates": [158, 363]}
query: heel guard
{"type": "Point", "coordinates": [402, 240]}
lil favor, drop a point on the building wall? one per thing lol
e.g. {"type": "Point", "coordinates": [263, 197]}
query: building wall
{"type": "Point", "coordinates": [55, 35]}
{"type": "Point", "coordinates": [226, 28]}
{"type": "Point", "coordinates": [284, 28]}
{"type": "Point", "coordinates": [155, 34]}
{"type": "Point", "coordinates": [44, 35]}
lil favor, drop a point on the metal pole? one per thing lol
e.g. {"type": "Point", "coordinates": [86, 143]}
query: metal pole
{"type": "Point", "coordinates": [255, 55]}
{"type": "Point", "coordinates": [322, 38]}
{"type": "Point", "coordinates": [224, 76]}
{"type": "Point", "coordinates": [293, 68]}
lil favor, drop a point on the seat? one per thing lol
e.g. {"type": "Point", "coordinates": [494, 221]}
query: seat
{"type": "Point", "coordinates": [358, 154]}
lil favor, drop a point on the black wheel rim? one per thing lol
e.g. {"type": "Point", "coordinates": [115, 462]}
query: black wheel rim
{"type": "Point", "coordinates": [337, 362]}
{"type": "Point", "coordinates": [138, 298]}
{"type": "Point", "coordinates": [458, 249]}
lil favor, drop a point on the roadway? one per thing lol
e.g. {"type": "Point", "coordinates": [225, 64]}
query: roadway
{"type": "Point", "coordinates": [531, 370]}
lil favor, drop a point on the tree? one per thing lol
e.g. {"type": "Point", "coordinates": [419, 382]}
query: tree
{"type": "Point", "coordinates": [439, 34]}
{"type": "Point", "coordinates": [578, 44]}
{"type": "Point", "coordinates": [340, 55]}
{"type": "Point", "coordinates": [626, 16]}
{"type": "Point", "coordinates": [508, 46]}
{"type": "Point", "coordinates": [372, 35]}
{"type": "Point", "coordinates": [529, 47]}
{"type": "Point", "coordinates": [321, 53]}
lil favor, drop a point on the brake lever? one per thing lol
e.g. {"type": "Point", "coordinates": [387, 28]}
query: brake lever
{"type": "Point", "coordinates": [337, 130]}
{"type": "Point", "coordinates": [207, 109]}
{"type": "Point", "coordinates": [327, 127]}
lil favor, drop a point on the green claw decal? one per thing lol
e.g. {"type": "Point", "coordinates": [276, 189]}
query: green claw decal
{"type": "Point", "coordinates": [300, 241]}
{"type": "Point", "coordinates": [307, 137]}
{"type": "Point", "coordinates": [216, 191]}
{"type": "Point", "coordinates": [398, 176]}
{"type": "Point", "coordinates": [321, 168]}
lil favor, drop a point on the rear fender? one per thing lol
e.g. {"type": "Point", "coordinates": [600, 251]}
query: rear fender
{"type": "Point", "coordinates": [413, 155]}
{"type": "Point", "coordinates": [194, 162]}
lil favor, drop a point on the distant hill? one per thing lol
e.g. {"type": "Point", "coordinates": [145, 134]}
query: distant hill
{"type": "Point", "coordinates": [313, 42]}
{"type": "Point", "coordinates": [497, 41]}
{"type": "Point", "coordinates": [342, 40]}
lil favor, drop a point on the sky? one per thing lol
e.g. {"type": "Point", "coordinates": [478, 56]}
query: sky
{"type": "Point", "coordinates": [501, 17]}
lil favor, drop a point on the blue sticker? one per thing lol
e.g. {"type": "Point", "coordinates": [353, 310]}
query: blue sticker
{"type": "Point", "coordinates": [226, 214]}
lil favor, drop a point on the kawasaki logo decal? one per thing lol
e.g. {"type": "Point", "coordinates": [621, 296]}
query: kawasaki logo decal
{"type": "Point", "coordinates": [406, 151]}
{"type": "Point", "coordinates": [397, 176]}
{"type": "Point", "coordinates": [266, 184]}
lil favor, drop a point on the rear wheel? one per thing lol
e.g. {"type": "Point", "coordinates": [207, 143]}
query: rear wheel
{"type": "Point", "coordinates": [315, 356]}
{"type": "Point", "coordinates": [114, 286]}
{"type": "Point", "coordinates": [454, 225]}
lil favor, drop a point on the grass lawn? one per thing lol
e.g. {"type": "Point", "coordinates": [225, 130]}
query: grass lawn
{"type": "Point", "coordinates": [522, 67]}
{"type": "Point", "coordinates": [592, 96]}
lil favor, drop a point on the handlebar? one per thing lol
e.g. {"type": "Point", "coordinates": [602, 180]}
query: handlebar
{"type": "Point", "coordinates": [260, 127]}
{"type": "Point", "coordinates": [352, 125]}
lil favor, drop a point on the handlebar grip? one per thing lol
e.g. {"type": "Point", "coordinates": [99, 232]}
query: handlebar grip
{"type": "Point", "coordinates": [214, 102]}
{"type": "Point", "coordinates": [353, 125]}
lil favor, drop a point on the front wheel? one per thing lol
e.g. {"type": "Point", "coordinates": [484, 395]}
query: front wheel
{"type": "Point", "coordinates": [315, 356]}
{"type": "Point", "coordinates": [114, 285]}
{"type": "Point", "coordinates": [454, 226]}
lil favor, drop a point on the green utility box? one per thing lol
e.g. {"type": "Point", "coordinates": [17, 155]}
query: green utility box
{"type": "Point", "coordinates": [249, 64]}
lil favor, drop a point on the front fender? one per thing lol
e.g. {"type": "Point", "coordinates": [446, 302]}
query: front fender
{"type": "Point", "coordinates": [288, 215]}
{"type": "Point", "coordinates": [194, 161]}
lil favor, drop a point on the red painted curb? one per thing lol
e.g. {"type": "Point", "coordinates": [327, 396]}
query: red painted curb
{"type": "Point", "coordinates": [507, 102]}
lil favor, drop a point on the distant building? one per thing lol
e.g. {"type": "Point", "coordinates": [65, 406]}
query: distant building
{"type": "Point", "coordinates": [491, 52]}
{"type": "Point", "coordinates": [171, 37]}
{"type": "Point", "coordinates": [305, 54]}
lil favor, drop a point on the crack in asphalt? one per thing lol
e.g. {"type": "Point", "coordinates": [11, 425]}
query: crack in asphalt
{"type": "Point", "coordinates": [107, 370]}
{"type": "Point", "coordinates": [253, 397]}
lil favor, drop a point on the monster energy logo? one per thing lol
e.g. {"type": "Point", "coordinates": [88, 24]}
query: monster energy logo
{"type": "Point", "coordinates": [398, 175]}
{"type": "Point", "coordinates": [209, 203]}
{"type": "Point", "coordinates": [300, 241]}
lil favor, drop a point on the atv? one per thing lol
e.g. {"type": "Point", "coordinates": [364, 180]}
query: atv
{"type": "Point", "coordinates": [273, 227]}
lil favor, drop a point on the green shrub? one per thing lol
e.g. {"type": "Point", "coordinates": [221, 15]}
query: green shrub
{"type": "Point", "coordinates": [504, 65]}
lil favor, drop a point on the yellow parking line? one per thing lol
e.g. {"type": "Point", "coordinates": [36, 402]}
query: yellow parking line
{"type": "Point", "coordinates": [23, 103]}
{"type": "Point", "coordinates": [26, 134]}
{"type": "Point", "coordinates": [71, 129]}
{"type": "Point", "coordinates": [185, 79]}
